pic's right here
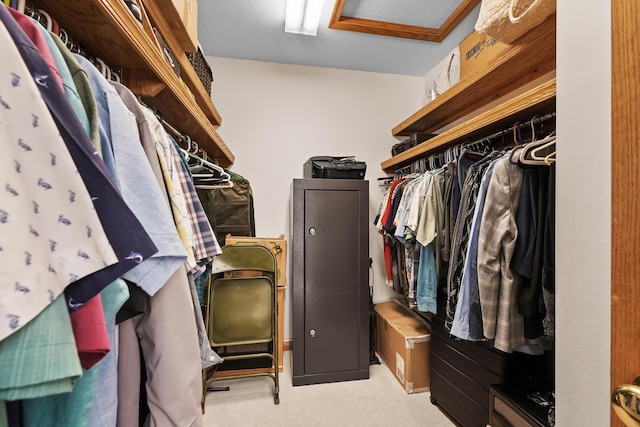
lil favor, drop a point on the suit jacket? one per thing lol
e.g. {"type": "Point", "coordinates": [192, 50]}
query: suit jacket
{"type": "Point", "coordinates": [498, 285]}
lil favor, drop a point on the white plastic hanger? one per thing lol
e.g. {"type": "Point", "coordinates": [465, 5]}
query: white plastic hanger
{"type": "Point", "coordinates": [535, 151]}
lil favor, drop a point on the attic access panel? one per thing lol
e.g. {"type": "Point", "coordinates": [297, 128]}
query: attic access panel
{"type": "Point", "coordinates": [427, 20]}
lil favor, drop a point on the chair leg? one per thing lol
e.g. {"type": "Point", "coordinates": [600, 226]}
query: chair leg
{"type": "Point", "coordinates": [206, 374]}
{"type": "Point", "coordinates": [204, 390]}
{"type": "Point", "coordinates": [276, 370]}
{"type": "Point", "coordinates": [276, 397]}
{"type": "Point", "coordinates": [276, 354]}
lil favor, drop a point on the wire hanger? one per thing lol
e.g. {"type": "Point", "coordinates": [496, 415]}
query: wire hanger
{"type": "Point", "coordinates": [204, 172]}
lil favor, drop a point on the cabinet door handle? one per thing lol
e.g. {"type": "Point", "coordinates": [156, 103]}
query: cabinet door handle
{"type": "Point", "coordinates": [626, 403]}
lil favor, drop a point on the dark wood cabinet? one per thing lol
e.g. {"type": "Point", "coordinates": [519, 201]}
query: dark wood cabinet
{"type": "Point", "coordinates": [330, 243]}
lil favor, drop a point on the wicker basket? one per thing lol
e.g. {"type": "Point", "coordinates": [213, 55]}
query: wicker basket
{"type": "Point", "coordinates": [202, 68]}
{"type": "Point", "coordinates": [508, 20]}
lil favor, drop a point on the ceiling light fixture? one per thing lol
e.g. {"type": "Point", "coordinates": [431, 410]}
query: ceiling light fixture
{"type": "Point", "coordinates": [303, 16]}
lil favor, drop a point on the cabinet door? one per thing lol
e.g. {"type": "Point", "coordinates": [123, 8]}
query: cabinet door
{"type": "Point", "coordinates": [333, 258]}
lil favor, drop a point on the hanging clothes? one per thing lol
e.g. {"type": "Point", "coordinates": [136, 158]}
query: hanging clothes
{"type": "Point", "coordinates": [205, 244]}
{"type": "Point", "coordinates": [126, 235]}
{"type": "Point", "coordinates": [428, 235]}
{"type": "Point", "coordinates": [398, 254]}
{"type": "Point", "coordinates": [141, 191]}
{"type": "Point", "coordinates": [467, 322]}
{"type": "Point", "coordinates": [463, 226]}
{"type": "Point", "coordinates": [46, 206]}
{"type": "Point", "coordinates": [380, 225]}
{"type": "Point", "coordinates": [477, 248]}
{"type": "Point", "coordinates": [471, 167]}
{"type": "Point", "coordinates": [125, 230]}
{"type": "Point", "coordinates": [93, 335]}
{"type": "Point", "coordinates": [549, 257]}
{"type": "Point", "coordinates": [166, 335]}
{"type": "Point", "coordinates": [499, 286]}
{"type": "Point", "coordinates": [527, 257]}
{"type": "Point", "coordinates": [404, 232]}
{"type": "Point", "coordinates": [137, 184]}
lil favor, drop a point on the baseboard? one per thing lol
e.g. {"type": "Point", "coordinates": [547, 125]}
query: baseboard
{"type": "Point", "coordinates": [287, 345]}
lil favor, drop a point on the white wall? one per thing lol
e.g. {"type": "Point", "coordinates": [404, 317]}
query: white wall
{"type": "Point", "coordinates": [276, 116]}
{"type": "Point", "coordinates": [583, 284]}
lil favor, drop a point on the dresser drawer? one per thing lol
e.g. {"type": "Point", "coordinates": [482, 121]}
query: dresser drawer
{"type": "Point", "coordinates": [510, 407]}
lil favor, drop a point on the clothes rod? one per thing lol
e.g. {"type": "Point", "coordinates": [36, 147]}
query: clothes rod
{"type": "Point", "coordinates": [417, 163]}
{"type": "Point", "coordinates": [534, 119]}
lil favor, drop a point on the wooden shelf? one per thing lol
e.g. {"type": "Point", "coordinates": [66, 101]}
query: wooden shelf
{"type": "Point", "coordinates": [521, 63]}
{"type": "Point", "coordinates": [180, 17]}
{"type": "Point", "coordinates": [540, 99]}
{"type": "Point", "coordinates": [187, 73]}
{"type": "Point", "coordinates": [108, 30]}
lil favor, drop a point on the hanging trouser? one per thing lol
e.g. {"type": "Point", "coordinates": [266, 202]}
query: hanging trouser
{"type": "Point", "coordinates": [169, 340]}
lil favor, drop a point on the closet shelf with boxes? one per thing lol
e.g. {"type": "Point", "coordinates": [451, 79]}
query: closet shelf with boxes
{"type": "Point", "coordinates": [508, 86]}
{"type": "Point", "coordinates": [132, 45]}
{"type": "Point", "coordinates": [538, 100]}
{"type": "Point", "coordinates": [493, 71]}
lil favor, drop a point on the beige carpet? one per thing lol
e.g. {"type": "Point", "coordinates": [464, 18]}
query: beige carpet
{"type": "Point", "coordinates": [378, 401]}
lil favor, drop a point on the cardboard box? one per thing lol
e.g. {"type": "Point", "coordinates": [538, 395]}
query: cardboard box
{"type": "Point", "coordinates": [182, 17]}
{"type": "Point", "coordinates": [442, 76]}
{"type": "Point", "coordinates": [277, 246]}
{"type": "Point", "coordinates": [476, 50]}
{"type": "Point", "coordinates": [404, 344]}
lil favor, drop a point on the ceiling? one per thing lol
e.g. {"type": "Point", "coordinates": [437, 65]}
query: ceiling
{"type": "Point", "coordinates": [254, 30]}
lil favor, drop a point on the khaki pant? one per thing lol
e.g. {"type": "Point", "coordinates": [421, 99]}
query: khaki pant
{"type": "Point", "coordinates": [169, 340]}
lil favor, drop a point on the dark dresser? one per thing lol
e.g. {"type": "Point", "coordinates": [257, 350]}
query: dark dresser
{"type": "Point", "coordinates": [462, 373]}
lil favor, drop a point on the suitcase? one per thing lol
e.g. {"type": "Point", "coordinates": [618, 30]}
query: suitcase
{"type": "Point", "coordinates": [329, 167]}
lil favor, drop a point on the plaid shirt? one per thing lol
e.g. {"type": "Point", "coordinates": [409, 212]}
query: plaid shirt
{"type": "Point", "coordinates": [167, 156]}
{"type": "Point", "coordinates": [205, 244]}
{"type": "Point", "coordinates": [498, 284]}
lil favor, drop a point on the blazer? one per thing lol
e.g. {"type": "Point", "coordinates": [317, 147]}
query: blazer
{"type": "Point", "coordinates": [498, 285]}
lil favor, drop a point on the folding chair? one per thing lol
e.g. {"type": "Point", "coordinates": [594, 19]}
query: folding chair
{"type": "Point", "coordinates": [241, 309]}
